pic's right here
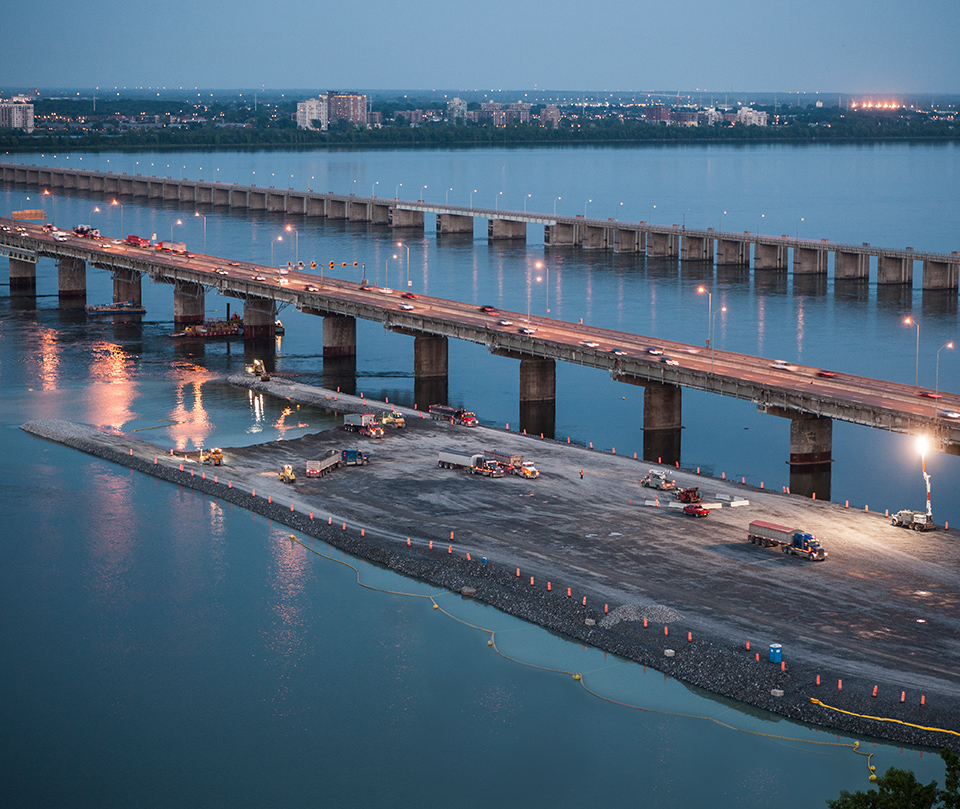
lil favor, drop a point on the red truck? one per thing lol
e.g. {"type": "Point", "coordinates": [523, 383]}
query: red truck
{"type": "Point", "coordinates": [137, 241]}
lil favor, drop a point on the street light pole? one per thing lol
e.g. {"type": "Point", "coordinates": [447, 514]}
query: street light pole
{"type": "Point", "coordinates": [585, 208]}
{"type": "Point", "coordinates": [936, 398]}
{"type": "Point", "coordinates": [195, 214]}
{"type": "Point", "coordinates": [911, 322]}
{"type": "Point", "coordinates": [758, 223]}
{"type": "Point", "coordinates": [401, 244]}
{"type": "Point", "coordinates": [421, 192]}
{"type": "Point", "coordinates": [373, 189]}
{"type": "Point", "coordinates": [798, 228]}
{"type": "Point", "coordinates": [709, 313]}
{"type": "Point", "coordinates": [396, 194]}
{"type": "Point", "coordinates": [386, 265]}
{"type": "Point", "coordinates": [97, 210]}
{"type": "Point", "coordinates": [652, 208]}
{"type": "Point", "coordinates": [721, 223]}
{"type": "Point", "coordinates": [525, 202]}
{"type": "Point", "coordinates": [53, 200]}
{"type": "Point", "coordinates": [471, 198]}
{"type": "Point", "coordinates": [117, 202]}
{"type": "Point", "coordinates": [291, 228]}
{"type": "Point", "coordinates": [496, 202]}
{"type": "Point", "coordinates": [178, 222]}
{"type": "Point", "coordinates": [278, 239]}
{"type": "Point", "coordinates": [555, 205]}
{"type": "Point", "coordinates": [546, 272]}
{"type": "Point", "coordinates": [713, 344]}
{"type": "Point", "coordinates": [447, 196]}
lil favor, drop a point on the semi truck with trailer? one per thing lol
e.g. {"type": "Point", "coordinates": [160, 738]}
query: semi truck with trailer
{"type": "Point", "coordinates": [795, 541]}
{"type": "Point", "coordinates": [354, 457]}
{"type": "Point", "coordinates": [330, 461]}
{"type": "Point", "coordinates": [513, 464]}
{"type": "Point", "coordinates": [455, 415]}
{"type": "Point", "coordinates": [364, 423]}
{"type": "Point", "coordinates": [475, 462]}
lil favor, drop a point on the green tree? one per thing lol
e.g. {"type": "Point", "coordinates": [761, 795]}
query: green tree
{"type": "Point", "coordinates": [900, 789]}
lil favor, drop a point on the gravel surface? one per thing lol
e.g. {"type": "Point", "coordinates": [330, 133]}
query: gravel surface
{"type": "Point", "coordinates": [880, 611]}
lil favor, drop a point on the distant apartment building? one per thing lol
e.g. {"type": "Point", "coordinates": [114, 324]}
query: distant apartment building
{"type": "Point", "coordinates": [312, 114]}
{"type": "Point", "coordinates": [751, 117]}
{"type": "Point", "coordinates": [350, 107]}
{"type": "Point", "coordinates": [330, 107]}
{"type": "Point", "coordinates": [550, 116]}
{"type": "Point", "coordinates": [456, 108]}
{"type": "Point", "coordinates": [14, 115]}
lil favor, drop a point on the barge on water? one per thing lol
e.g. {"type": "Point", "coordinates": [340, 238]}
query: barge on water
{"type": "Point", "coordinates": [116, 308]}
{"type": "Point", "coordinates": [216, 330]}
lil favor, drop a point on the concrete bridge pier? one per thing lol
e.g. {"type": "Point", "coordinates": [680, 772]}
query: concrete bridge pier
{"type": "Point", "coordinates": [339, 336]}
{"type": "Point", "coordinates": [260, 319]}
{"type": "Point", "coordinates": [189, 304]}
{"type": "Point", "coordinates": [23, 277]}
{"type": "Point", "coordinates": [733, 252]}
{"type": "Point", "coordinates": [629, 240]}
{"type": "Point", "coordinates": [767, 256]}
{"type": "Point", "coordinates": [538, 396]}
{"type": "Point", "coordinates": [506, 229]}
{"type": "Point", "coordinates": [661, 423]}
{"type": "Point", "coordinates": [560, 234]}
{"type": "Point", "coordinates": [401, 218]}
{"type": "Point", "coordinates": [851, 266]}
{"type": "Point", "coordinates": [696, 248]}
{"type": "Point", "coordinates": [811, 447]}
{"type": "Point", "coordinates": [429, 370]}
{"type": "Point", "coordinates": [661, 244]}
{"type": "Point", "coordinates": [593, 238]}
{"type": "Point", "coordinates": [127, 287]}
{"type": "Point", "coordinates": [937, 274]}
{"type": "Point", "coordinates": [894, 270]}
{"type": "Point", "coordinates": [809, 261]}
{"type": "Point", "coordinates": [72, 278]}
{"type": "Point", "coordinates": [454, 223]}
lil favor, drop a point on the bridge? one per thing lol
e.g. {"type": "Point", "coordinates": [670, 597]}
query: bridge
{"type": "Point", "coordinates": [810, 257]}
{"type": "Point", "coordinates": [808, 397]}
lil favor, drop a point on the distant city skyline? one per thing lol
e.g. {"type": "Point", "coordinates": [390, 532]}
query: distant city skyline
{"type": "Point", "coordinates": [886, 46]}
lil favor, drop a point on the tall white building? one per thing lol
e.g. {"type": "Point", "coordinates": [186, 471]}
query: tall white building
{"type": "Point", "coordinates": [456, 108]}
{"type": "Point", "coordinates": [313, 109]}
{"type": "Point", "coordinates": [751, 117]}
{"type": "Point", "coordinates": [16, 116]}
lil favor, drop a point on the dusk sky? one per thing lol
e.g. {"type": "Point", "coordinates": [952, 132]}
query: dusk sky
{"type": "Point", "coordinates": [849, 46]}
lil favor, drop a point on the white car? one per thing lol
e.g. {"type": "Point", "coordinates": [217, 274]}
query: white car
{"type": "Point", "coordinates": [783, 365]}
{"type": "Point", "coordinates": [506, 322]}
{"type": "Point", "coordinates": [590, 344]}
{"type": "Point", "coordinates": [669, 361]}
{"type": "Point", "coordinates": [950, 414]}
{"type": "Point", "coordinates": [527, 330]}
{"type": "Point", "coordinates": [407, 306]}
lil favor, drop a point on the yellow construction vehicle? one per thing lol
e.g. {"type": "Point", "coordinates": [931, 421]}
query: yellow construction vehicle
{"type": "Point", "coordinates": [286, 474]}
{"type": "Point", "coordinates": [211, 456]}
{"type": "Point", "coordinates": [392, 419]}
{"type": "Point", "coordinates": [256, 369]}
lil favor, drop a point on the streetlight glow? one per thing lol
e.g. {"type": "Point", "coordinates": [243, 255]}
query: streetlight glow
{"type": "Point", "coordinates": [908, 321]}
{"type": "Point", "coordinates": [195, 215]}
{"type": "Point", "coordinates": [292, 229]}
{"type": "Point", "coordinates": [117, 202]}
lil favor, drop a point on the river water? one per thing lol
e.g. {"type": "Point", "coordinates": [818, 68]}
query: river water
{"type": "Point", "coordinates": [163, 648]}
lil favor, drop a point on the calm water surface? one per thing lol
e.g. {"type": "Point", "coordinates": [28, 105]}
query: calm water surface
{"type": "Point", "coordinates": [163, 648]}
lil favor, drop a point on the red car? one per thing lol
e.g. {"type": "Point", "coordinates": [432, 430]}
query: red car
{"type": "Point", "coordinates": [409, 295]}
{"type": "Point", "coordinates": [827, 374]}
{"type": "Point", "coordinates": [927, 394]}
{"type": "Point", "coordinates": [695, 510]}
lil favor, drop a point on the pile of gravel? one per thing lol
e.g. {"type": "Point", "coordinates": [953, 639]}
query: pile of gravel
{"type": "Point", "coordinates": [635, 612]}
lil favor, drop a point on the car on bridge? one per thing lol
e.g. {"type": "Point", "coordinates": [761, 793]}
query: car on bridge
{"type": "Point", "coordinates": [827, 374]}
{"type": "Point", "coordinates": [311, 288]}
{"type": "Point", "coordinates": [406, 306]}
{"type": "Point", "coordinates": [366, 288]}
{"type": "Point", "coordinates": [669, 361]}
{"type": "Point", "coordinates": [411, 295]}
{"type": "Point", "coordinates": [490, 310]}
{"type": "Point", "coordinates": [655, 350]}
{"type": "Point", "coordinates": [783, 365]}
{"type": "Point", "coordinates": [616, 352]}
{"type": "Point", "coordinates": [526, 330]}
{"type": "Point", "coordinates": [950, 414]}
{"type": "Point", "coordinates": [259, 278]}
{"type": "Point", "coordinates": [929, 394]}
{"type": "Point", "coordinates": [589, 344]}
{"type": "Point", "coordinates": [506, 322]}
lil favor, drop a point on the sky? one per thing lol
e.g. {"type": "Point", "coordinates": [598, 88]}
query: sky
{"type": "Point", "coordinates": [828, 46]}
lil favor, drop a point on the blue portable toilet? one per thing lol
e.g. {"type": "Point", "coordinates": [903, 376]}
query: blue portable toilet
{"type": "Point", "coordinates": [776, 653]}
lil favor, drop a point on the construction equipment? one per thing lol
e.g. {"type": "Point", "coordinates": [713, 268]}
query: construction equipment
{"type": "Point", "coordinates": [286, 474]}
{"type": "Point", "coordinates": [256, 369]}
{"type": "Point", "coordinates": [657, 479]}
{"type": "Point", "coordinates": [211, 457]}
{"type": "Point", "coordinates": [691, 495]}
{"type": "Point", "coordinates": [330, 461]}
{"type": "Point", "coordinates": [916, 520]}
{"type": "Point", "coordinates": [364, 423]}
{"type": "Point", "coordinates": [392, 419]}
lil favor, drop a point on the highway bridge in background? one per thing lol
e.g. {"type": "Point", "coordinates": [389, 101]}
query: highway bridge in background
{"type": "Point", "coordinates": [810, 397]}
{"type": "Point", "coordinates": [812, 257]}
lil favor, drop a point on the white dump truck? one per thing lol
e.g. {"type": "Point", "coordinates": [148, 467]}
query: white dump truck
{"type": "Point", "coordinates": [330, 461]}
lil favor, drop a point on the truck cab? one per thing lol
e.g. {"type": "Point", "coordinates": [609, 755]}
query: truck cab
{"type": "Point", "coordinates": [807, 545]}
